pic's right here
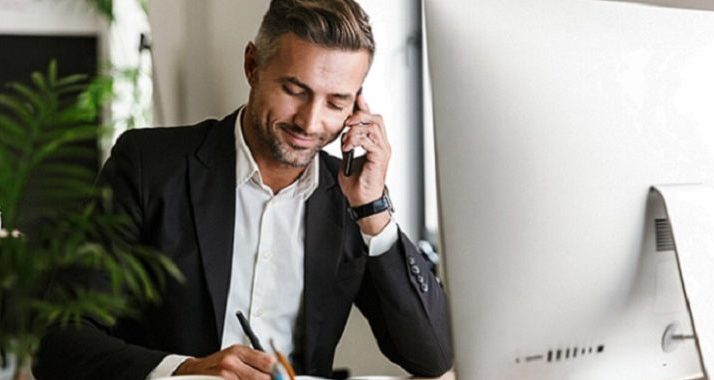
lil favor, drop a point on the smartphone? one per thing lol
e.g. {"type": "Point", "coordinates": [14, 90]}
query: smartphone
{"type": "Point", "coordinates": [349, 156]}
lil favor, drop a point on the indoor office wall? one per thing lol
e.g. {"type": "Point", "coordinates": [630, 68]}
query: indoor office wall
{"type": "Point", "coordinates": [65, 17]}
{"type": "Point", "coordinates": [198, 56]}
{"type": "Point", "coordinates": [199, 52]}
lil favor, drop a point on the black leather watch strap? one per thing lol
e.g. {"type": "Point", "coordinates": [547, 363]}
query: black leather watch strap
{"type": "Point", "coordinates": [371, 208]}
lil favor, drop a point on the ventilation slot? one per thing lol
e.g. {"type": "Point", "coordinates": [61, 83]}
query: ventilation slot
{"type": "Point", "coordinates": [562, 354]}
{"type": "Point", "coordinates": [663, 235]}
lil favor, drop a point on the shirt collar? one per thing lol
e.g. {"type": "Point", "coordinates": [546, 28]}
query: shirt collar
{"type": "Point", "coordinates": [247, 168]}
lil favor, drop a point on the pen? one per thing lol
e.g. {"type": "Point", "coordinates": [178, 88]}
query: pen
{"type": "Point", "coordinates": [248, 331]}
{"type": "Point", "coordinates": [283, 361]}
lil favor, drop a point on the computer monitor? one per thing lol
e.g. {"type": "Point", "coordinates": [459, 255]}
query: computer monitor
{"type": "Point", "coordinates": [552, 121]}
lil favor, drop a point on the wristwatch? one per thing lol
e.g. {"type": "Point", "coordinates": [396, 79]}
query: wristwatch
{"type": "Point", "coordinates": [371, 208]}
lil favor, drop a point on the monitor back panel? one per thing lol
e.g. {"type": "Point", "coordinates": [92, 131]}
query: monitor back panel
{"type": "Point", "coordinates": [552, 120]}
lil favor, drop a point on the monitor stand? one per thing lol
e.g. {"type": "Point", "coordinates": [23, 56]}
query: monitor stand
{"type": "Point", "coordinates": [690, 212]}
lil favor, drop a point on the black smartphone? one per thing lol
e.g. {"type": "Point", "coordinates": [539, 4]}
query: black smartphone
{"type": "Point", "coordinates": [349, 156]}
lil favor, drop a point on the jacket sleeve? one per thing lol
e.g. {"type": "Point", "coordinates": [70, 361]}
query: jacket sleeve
{"type": "Point", "coordinates": [88, 351]}
{"type": "Point", "coordinates": [407, 310]}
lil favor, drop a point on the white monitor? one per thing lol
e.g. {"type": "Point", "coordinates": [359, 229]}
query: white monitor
{"type": "Point", "coordinates": [552, 120]}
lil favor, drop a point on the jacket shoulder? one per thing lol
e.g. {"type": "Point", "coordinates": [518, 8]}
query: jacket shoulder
{"type": "Point", "coordinates": [163, 141]}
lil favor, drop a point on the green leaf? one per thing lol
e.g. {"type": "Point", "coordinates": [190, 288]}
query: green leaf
{"type": "Point", "coordinates": [7, 158]}
{"type": "Point", "coordinates": [171, 268]}
{"type": "Point", "coordinates": [71, 90]}
{"type": "Point", "coordinates": [67, 184]}
{"type": "Point", "coordinates": [36, 189]}
{"type": "Point", "coordinates": [75, 152]}
{"type": "Point", "coordinates": [9, 126]}
{"type": "Point", "coordinates": [12, 143]}
{"type": "Point", "coordinates": [52, 73]}
{"type": "Point", "coordinates": [51, 148]}
{"type": "Point", "coordinates": [53, 315]}
{"type": "Point", "coordinates": [69, 80]}
{"type": "Point", "coordinates": [65, 170]}
{"type": "Point", "coordinates": [143, 286]}
{"type": "Point", "coordinates": [72, 116]}
{"type": "Point", "coordinates": [38, 103]}
{"type": "Point", "coordinates": [67, 135]}
{"type": "Point", "coordinates": [21, 110]}
{"type": "Point", "coordinates": [39, 80]}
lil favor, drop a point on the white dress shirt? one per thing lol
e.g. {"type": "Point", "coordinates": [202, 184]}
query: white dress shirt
{"type": "Point", "coordinates": [267, 272]}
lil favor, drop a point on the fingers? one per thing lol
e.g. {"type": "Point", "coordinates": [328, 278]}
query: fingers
{"type": "Point", "coordinates": [370, 137]}
{"type": "Point", "coordinates": [233, 363]}
{"type": "Point", "coordinates": [256, 359]}
{"type": "Point", "coordinates": [364, 117]}
{"type": "Point", "coordinates": [359, 120]}
{"type": "Point", "coordinates": [247, 372]}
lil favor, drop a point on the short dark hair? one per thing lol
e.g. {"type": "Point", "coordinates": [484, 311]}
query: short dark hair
{"type": "Point", "coordinates": [340, 24]}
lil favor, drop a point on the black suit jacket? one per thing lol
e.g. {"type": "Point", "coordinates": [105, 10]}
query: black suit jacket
{"type": "Point", "coordinates": [178, 187]}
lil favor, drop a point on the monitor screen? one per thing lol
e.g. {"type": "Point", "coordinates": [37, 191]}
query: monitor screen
{"type": "Point", "coordinates": [552, 120]}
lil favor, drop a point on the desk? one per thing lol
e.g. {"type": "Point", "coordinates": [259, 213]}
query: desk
{"type": "Point", "coordinates": [448, 376]}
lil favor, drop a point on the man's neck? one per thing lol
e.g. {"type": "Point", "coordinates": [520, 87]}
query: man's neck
{"type": "Point", "coordinates": [275, 175]}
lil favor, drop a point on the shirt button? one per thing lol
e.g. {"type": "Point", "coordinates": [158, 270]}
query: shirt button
{"type": "Point", "coordinates": [415, 269]}
{"type": "Point", "coordinates": [420, 279]}
{"type": "Point", "coordinates": [424, 287]}
{"type": "Point", "coordinates": [411, 260]}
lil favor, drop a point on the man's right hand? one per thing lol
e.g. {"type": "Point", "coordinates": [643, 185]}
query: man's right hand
{"type": "Point", "coordinates": [236, 362]}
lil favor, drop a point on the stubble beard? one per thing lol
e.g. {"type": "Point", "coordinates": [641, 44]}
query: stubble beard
{"type": "Point", "coordinates": [296, 157]}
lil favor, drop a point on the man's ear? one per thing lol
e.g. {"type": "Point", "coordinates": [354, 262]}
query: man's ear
{"type": "Point", "coordinates": [250, 63]}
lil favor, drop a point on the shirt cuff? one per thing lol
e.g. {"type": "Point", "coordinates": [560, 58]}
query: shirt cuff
{"type": "Point", "coordinates": [167, 366]}
{"type": "Point", "coordinates": [383, 241]}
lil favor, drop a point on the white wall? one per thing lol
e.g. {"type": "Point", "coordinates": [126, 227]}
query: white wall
{"type": "Point", "coordinates": [198, 50]}
{"type": "Point", "coordinates": [199, 57]}
{"type": "Point", "coordinates": [66, 17]}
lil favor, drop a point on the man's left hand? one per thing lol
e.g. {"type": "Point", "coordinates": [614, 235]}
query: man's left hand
{"type": "Point", "coordinates": [366, 184]}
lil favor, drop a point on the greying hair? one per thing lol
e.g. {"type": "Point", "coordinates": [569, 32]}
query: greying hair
{"type": "Point", "coordinates": [339, 24]}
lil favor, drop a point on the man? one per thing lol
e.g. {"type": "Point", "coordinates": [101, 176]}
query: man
{"type": "Point", "coordinates": [260, 220]}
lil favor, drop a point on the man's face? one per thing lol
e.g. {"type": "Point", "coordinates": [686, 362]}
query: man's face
{"type": "Point", "coordinates": [300, 99]}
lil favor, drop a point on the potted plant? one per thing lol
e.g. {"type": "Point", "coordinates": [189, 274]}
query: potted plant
{"type": "Point", "coordinates": [55, 221]}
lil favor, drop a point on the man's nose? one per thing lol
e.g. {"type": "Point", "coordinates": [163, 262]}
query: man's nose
{"type": "Point", "coordinates": [308, 117]}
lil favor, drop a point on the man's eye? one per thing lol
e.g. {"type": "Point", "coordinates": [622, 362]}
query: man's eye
{"type": "Point", "coordinates": [335, 106]}
{"type": "Point", "coordinates": [291, 91]}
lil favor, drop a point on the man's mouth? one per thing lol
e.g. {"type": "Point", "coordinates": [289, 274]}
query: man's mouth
{"type": "Point", "coordinates": [298, 140]}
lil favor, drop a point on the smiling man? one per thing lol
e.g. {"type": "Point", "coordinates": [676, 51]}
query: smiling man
{"type": "Point", "coordinates": [261, 221]}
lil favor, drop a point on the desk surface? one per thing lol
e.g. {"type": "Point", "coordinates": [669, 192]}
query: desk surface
{"type": "Point", "coordinates": [448, 376]}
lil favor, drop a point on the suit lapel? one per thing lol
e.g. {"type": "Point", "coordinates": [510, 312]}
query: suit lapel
{"type": "Point", "coordinates": [212, 183]}
{"type": "Point", "coordinates": [323, 241]}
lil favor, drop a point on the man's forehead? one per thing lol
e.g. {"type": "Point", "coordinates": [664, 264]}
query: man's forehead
{"type": "Point", "coordinates": [319, 67]}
